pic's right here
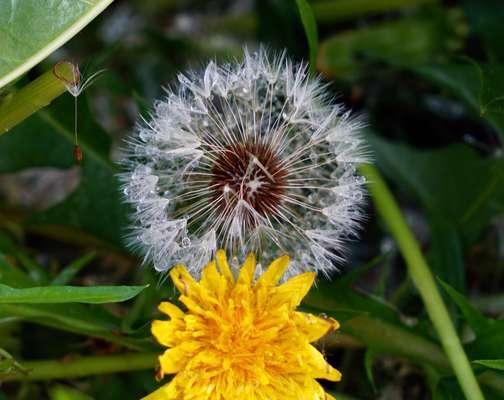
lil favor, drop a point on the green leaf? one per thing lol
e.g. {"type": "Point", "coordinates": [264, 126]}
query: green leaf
{"type": "Point", "coordinates": [310, 28]}
{"type": "Point", "coordinates": [81, 319]}
{"type": "Point", "coordinates": [69, 272]}
{"type": "Point", "coordinates": [33, 29]}
{"type": "Point", "coordinates": [13, 276]}
{"type": "Point", "coordinates": [343, 54]}
{"type": "Point", "coordinates": [60, 392]}
{"type": "Point", "coordinates": [492, 364]}
{"type": "Point", "coordinates": [480, 86]}
{"type": "Point", "coordinates": [446, 253]}
{"type": "Point", "coordinates": [475, 319]}
{"type": "Point", "coordinates": [95, 207]}
{"type": "Point", "coordinates": [334, 297]}
{"type": "Point", "coordinates": [369, 359]}
{"type": "Point", "coordinates": [68, 294]}
{"type": "Point", "coordinates": [489, 343]}
{"type": "Point", "coordinates": [454, 184]}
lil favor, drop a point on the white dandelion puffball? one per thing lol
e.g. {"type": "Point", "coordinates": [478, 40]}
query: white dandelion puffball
{"type": "Point", "coordinates": [251, 156]}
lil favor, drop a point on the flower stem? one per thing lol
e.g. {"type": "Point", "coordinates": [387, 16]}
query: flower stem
{"type": "Point", "coordinates": [83, 366]}
{"type": "Point", "coordinates": [17, 106]}
{"type": "Point", "coordinates": [423, 280]}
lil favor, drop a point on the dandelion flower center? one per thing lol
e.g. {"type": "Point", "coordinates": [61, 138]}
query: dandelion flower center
{"type": "Point", "coordinates": [242, 338]}
{"type": "Point", "coordinates": [251, 173]}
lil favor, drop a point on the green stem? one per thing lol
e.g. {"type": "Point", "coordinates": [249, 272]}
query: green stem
{"type": "Point", "coordinates": [83, 366]}
{"type": "Point", "coordinates": [17, 106]}
{"type": "Point", "coordinates": [423, 280]}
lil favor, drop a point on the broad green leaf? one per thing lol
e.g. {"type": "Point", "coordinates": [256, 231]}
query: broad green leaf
{"type": "Point", "coordinates": [30, 30]}
{"type": "Point", "coordinates": [475, 319]}
{"type": "Point", "coordinates": [330, 296]}
{"type": "Point", "coordinates": [480, 86]}
{"type": "Point", "coordinates": [69, 272]}
{"type": "Point", "coordinates": [489, 343]}
{"type": "Point", "coordinates": [492, 364]}
{"type": "Point", "coordinates": [446, 254]}
{"type": "Point", "coordinates": [406, 42]}
{"type": "Point", "coordinates": [46, 139]}
{"type": "Point", "coordinates": [452, 183]}
{"type": "Point", "coordinates": [339, 296]}
{"type": "Point", "coordinates": [68, 294]}
{"type": "Point", "coordinates": [310, 27]}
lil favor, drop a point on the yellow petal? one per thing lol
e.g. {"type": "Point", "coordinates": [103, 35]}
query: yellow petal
{"type": "Point", "coordinates": [171, 310]}
{"type": "Point", "coordinates": [247, 270]}
{"type": "Point", "coordinates": [183, 280]}
{"type": "Point", "coordinates": [225, 270]}
{"type": "Point", "coordinates": [320, 368]}
{"type": "Point", "coordinates": [164, 331]}
{"type": "Point", "coordinates": [173, 360]}
{"type": "Point", "coordinates": [294, 290]}
{"type": "Point", "coordinates": [329, 397]}
{"type": "Point", "coordinates": [165, 392]}
{"type": "Point", "coordinates": [274, 272]}
{"type": "Point", "coordinates": [212, 281]}
{"type": "Point", "coordinates": [314, 327]}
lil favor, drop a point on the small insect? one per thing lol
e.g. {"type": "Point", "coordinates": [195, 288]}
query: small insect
{"type": "Point", "coordinates": [69, 74]}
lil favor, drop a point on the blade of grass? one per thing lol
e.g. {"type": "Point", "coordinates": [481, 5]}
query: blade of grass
{"type": "Point", "coordinates": [310, 27]}
{"type": "Point", "coordinates": [69, 272]}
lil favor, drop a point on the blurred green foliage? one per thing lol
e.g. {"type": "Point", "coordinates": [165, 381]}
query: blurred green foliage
{"type": "Point", "coordinates": [428, 75]}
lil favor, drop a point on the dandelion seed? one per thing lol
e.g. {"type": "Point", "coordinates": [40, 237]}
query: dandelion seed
{"type": "Point", "coordinates": [70, 75]}
{"type": "Point", "coordinates": [241, 338]}
{"type": "Point", "coordinates": [246, 156]}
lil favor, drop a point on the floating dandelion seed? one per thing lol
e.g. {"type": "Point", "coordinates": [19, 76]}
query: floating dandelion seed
{"type": "Point", "coordinates": [249, 156]}
{"type": "Point", "coordinates": [70, 75]}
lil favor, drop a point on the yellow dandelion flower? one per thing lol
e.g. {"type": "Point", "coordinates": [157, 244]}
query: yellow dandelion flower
{"type": "Point", "coordinates": [242, 338]}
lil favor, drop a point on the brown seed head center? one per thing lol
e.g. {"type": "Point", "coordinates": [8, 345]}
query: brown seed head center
{"type": "Point", "coordinates": [252, 173]}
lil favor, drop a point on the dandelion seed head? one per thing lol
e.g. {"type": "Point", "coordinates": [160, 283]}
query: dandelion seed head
{"type": "Point", "coordinates": [249, 156]}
